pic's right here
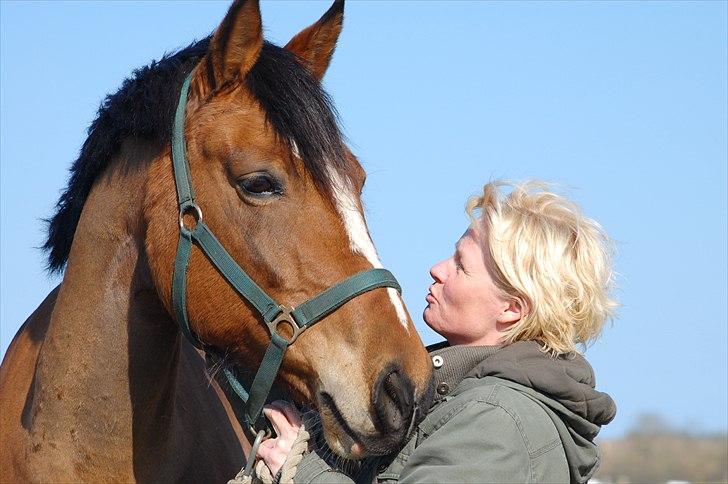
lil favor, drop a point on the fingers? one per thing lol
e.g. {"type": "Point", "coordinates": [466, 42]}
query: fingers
{"type": "Point", "coordinates": [275, 417]}
{"type": "Point", "coordinates": [290, 411]}
{"type": "Point", "coordinates": [271, 455]}
{"type": "Point", "coordinates": [279, 421]}
{"type": "Point", "coordinates": [286, 421]}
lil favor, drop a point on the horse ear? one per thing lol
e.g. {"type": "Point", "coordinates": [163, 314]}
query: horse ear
{"type": "Point", "coordinates": [235, 45]}
{"type": "Point", "coordinates": [316, 43]}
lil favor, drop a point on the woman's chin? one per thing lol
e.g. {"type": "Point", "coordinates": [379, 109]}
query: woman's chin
{"type": "Point", "coordinates": [429, 318]}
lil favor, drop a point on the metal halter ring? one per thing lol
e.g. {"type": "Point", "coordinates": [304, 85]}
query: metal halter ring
{"type": "Point", "coordinates": [187, 208]}
{"type": "Point", "coordinates": [259, 438]}
{"type": "Point", "coordinates": [285, 317]}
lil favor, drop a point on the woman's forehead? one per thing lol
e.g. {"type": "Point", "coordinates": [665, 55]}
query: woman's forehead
{"type": "Point", "coordinates": [468, 241]}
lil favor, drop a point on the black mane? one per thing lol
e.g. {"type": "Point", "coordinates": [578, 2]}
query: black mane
{"type": "Point", "coordinates": [294, 102]}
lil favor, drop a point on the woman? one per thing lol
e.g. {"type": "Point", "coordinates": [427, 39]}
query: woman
{"type": "Point", "coordinates": [528, 283]}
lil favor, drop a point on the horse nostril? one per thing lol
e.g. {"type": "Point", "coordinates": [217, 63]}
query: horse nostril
{"type": "Point", "coordinates": [394, 401]}
{"type": "Point", "coordinates": [397, 388]}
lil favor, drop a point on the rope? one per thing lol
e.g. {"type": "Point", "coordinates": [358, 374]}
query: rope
{"type": "Point", "coordinates": [241, 479]}
{"type": "Point", "coordinates": [290, 466]}
{"type": "Point", "coordinates": [285, 476]}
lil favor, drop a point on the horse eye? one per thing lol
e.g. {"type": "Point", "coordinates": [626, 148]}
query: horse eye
{"type": "Point", "coordinates": [260, 185]}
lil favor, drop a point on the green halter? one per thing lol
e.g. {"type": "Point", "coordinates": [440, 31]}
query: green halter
{"type": "Point", "coordinates": [248, 406]}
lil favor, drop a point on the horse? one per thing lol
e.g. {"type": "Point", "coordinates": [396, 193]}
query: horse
{"type": "Point", "coordinates": [99, 384]}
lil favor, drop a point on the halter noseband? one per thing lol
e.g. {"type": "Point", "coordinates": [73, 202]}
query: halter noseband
{"type": "Point", "coordinates": [248, 406]}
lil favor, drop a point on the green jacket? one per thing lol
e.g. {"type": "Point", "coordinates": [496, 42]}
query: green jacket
{"type": "Point", "coordinates": [511, 414]}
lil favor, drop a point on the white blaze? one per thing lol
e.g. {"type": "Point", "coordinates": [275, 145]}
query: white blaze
{"type": "Point", "coordinates": [359, 239]}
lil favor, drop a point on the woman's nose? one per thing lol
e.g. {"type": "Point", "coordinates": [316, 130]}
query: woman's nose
{"type": "Point", "coordinates": [439, 271]}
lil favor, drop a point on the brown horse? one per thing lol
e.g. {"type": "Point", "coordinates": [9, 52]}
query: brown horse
{"type": "Point", "coordinates": [98, 385]}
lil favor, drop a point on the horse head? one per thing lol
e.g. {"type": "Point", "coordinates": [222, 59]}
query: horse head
{"type": "Point", "coordinates": [282, 193]}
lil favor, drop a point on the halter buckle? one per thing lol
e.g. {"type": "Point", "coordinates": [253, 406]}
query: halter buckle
{"type": "Point", "coordinates": [285, 319]}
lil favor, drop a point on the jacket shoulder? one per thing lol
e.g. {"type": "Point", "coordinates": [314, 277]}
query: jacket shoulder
{"type": "Point", "coordinates": [534, 429]}
{"type": "Point", "coordinates": [533, 423]}
{"type": "Point", "coordinates": [538, 431]}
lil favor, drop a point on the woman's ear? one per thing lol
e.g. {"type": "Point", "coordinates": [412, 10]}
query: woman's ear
{"type": "Point", "coordinates": [513, 311]}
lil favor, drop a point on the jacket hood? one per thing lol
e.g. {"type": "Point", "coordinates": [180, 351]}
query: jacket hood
{"type": "Point", "coordinates": [564, 386]}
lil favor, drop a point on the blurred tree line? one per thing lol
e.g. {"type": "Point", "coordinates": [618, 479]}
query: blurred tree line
{"type": "Point", "coordinates": [655, 451]}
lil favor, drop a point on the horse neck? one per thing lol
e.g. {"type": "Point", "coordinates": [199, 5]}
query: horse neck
{"type": "Point", "coordinates": [108, 365]}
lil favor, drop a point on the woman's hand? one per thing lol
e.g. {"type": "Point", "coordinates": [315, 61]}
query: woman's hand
{"type": "Point", "coordinates": [286, 421]}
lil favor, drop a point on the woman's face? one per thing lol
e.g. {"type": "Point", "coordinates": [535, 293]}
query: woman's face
{"type": "Point", "coordinates": [463, 304]}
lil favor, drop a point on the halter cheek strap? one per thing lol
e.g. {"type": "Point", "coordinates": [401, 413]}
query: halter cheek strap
{"type": "Point", "coordinates": [247, 405]}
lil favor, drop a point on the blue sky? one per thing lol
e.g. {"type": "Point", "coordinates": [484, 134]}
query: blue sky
{"type": "Point", "coordinates": [624, 104]}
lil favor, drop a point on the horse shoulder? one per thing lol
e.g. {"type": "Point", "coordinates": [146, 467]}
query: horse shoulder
{"type": "Point", "coordinates": [16, 391]}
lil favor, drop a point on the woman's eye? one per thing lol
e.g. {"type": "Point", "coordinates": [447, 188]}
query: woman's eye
{"type": "Point", "coordinates": [260, 185]}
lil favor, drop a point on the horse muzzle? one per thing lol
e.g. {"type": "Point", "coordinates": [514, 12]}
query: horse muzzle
{"type": "Point", "coordinates": [394, 413]}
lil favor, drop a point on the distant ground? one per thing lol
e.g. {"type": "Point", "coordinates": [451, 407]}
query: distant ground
{"type": "Point", "coordinates": [655, 452]}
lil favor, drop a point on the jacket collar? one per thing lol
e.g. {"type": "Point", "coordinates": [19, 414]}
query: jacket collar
{"type": "Point", "coordinates": [452, 363]}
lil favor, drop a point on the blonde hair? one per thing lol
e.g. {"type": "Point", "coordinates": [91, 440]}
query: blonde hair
{"type": "Point", "coordinates": [551, 259]}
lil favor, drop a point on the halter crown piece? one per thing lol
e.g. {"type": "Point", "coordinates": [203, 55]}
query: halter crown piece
{"type": "Point", "coordinates": [247, 405]}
